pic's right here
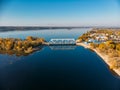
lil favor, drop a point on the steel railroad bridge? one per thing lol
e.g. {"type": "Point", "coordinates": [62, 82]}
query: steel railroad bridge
{"type": "Point", "coordinates": [64, 41]}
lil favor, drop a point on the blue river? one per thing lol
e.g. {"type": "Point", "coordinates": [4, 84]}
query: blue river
{"type": "Point", "coordinates": [55, 67]}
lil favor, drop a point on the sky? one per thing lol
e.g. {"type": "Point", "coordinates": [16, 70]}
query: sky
{"type": "Point", "coordinates": [59, 12]}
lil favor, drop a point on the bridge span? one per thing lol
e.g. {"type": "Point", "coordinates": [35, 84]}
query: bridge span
{"type": "Point", "coordinates": [63, 41]}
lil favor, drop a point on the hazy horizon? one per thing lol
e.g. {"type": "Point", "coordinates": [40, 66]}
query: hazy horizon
{"type": "Point", "coordinates": [60, 13]}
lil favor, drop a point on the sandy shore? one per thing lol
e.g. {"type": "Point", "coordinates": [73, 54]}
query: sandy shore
{"type": "Point", "coordinates": [103, 56]}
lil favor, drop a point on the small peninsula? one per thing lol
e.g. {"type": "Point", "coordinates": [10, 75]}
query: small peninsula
{"type": "Point", "coordinates": [106, 43]}
{"type": "Point", "coordinates": [20, 47]}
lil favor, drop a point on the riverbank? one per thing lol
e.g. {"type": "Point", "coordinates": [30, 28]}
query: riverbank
{"type": "Point", "coordinates": [19, 46]}
{"type": "Point", "coordinates": [102, 55]}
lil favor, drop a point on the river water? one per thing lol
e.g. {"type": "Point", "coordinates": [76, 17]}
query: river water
{"type": "Point", "coordinates": [55, 67]}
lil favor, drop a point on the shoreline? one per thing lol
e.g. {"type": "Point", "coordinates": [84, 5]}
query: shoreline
{"type": "Point", "coordinates": [104, 57]}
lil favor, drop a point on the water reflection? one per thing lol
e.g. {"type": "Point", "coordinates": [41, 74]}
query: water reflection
{"type": "Point", "coordinates": [20, 53]}
{"type": "Point", "coordinates": [53, 47]}
{"type": "Point", "coordinates": [63, 47]}
{"type": "Point", "coordinates": [9, 57]}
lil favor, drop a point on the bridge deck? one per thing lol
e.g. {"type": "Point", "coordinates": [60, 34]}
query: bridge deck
{"type": "Point", "coordinates": [62, 41]}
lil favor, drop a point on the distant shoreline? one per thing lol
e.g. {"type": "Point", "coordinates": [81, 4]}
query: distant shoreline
{"type": "Point", "coordinates": [104, 57]}
{"type": "Point", "coordinates": [24, 28]}
{"type": "Point", "coordinates": [8, 29]}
